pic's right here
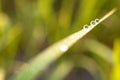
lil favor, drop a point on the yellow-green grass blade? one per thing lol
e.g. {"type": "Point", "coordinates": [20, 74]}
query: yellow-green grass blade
{"type": "Point", "coordinates": [103, 56]}
{"type": "Point", "coordinates": [100, 50]}
{"type": "Point", "coordinates": [116, 69]}
{"type": "Point", "coordinates": [41, 61]}
{"type": "Point", "coordinates": [0, 6]}
{"type": "Point", "coordinates": [90, 65]}
{"type": "Point", "coordinates": [61, 71]}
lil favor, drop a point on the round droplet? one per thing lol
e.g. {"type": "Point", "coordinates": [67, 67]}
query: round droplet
{"type": "Point", "coordinates": [85, 26]}
{"type": "Point", "coordinates": [96, 20]}
{"type": "Point", "coordinates": [92, 22]}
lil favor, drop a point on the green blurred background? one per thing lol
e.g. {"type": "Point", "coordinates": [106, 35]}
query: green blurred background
{"type": "Point", "coordinates": [27, 27]}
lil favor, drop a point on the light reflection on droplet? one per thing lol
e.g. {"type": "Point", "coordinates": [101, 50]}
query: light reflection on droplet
{"type": "Point", "coordinates": [63, 48]}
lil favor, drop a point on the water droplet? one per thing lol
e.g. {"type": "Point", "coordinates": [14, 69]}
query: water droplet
{"type": "Point", "coordinates": [63, 48]}
{"type": "Point", "coordinates": [92, 22]}
{"type": "Point", "coordinates": [85, 26]}
{"type": "Point", "coordinates": [96, 20]}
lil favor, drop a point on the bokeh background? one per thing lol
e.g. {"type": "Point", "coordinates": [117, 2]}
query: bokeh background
{"type": "Point", "coordinates": [27, 27]}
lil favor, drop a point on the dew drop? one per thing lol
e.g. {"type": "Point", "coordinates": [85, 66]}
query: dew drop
{"type": "Point", "coordinates": [85, 26]}
{"type": "Point", "coordinates": [96, 20]}
{"type": "Point", "coordinates": [63, 48]}
{"type": "Point", "coordinates": [92, 22]}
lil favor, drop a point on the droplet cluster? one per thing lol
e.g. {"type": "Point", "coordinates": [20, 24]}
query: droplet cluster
{"type": "Point", "coordinates": [91, 23]}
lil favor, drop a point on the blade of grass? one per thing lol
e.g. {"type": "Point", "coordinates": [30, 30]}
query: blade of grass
{"type": "Point", "coordinates": [61, 71]}
{"type": "Point", "coordinates": [102, 55]}
{"type": "Point", "coordinates": [100, 50]}
{"type": "Point", "coordinates": [116, 70]}
{"type": "Point", "coordinates": [65, 15]}
{"type": "Point", "coordinates": [9, 37]}
{"type": "Point", "coordinates": [2, 74]}
{"type": "Point", "coordinates": [87, 10]}
{"type": "Point", "coordinates": [8, 48]}
{"type": "Point", "coordinates": [41, 61]}
{"type": "Point", "coordinates": [90, 65]}
{"type": "Point", "coordinates": [0, 6]}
